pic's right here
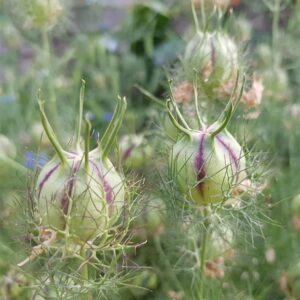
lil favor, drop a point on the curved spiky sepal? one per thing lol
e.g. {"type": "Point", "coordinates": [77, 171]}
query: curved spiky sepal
{"type": "Point", "coordinates": [50, 132]}
{"type": "Point", "coordinates": [230, 108]}
{"type": "Point", "coordinates": [107, 141]}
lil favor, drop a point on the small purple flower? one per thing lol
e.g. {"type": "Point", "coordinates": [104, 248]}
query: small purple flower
{"type": "Point", "coordinates": [33, 161]}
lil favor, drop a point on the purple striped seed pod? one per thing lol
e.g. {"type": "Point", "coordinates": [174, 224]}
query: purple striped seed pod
{"type": "Point", "coordinates": [206, 166]}
{"type": "Point", "coordinates": [89, 201]}
{"type": "Point", "coordinates": [213, 57]}
{"type": "Point", "coordinates": [80, 193]}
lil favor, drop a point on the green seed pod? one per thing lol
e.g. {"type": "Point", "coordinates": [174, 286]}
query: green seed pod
{"type": "Point", "coordinates": [80, 192]}
{"type": "Point", "coordinates": [90, 199]}
{"type": "Point", "coordinates": [7, 148]}
{"type": "Point", "coordinates": [34, 14]}
{"type": "Point", "coordinates": [212, 58]}
{"type": "Point", "coordinates": [293, 280]}
{"type": "Point", "coordinates": [208, 166]}
{"type": "Point", "coordinates": [207, 163]}
{"type": "Point", "coordinates": [210, 5]}
{"type": "Point", "coordinates": [135, 151]}
{"type": "Point", "coordinates": [295, 206]}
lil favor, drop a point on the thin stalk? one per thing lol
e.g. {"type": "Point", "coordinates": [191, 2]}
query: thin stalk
{"type": "Point", "coordinates": [203, 253]}
{"type": "Point", "coordinates": [87, 144]}
{"type": "Point", "coordinates": [85, 273]}
{"type": "Point", "coordinates": [48, 66]}
{"type": "Point", "coordinates": [199, 119]}
{"type": "Point", "coordinates": [203, 16]}
{"type": "Point", "coordinates": [195, 17]}
{"type": "Point", "coordinates": [79, 124]}
{"type": "Point", "coordinates": [150, 96]}
{"type": "Point", "coordinates": [275, 30]}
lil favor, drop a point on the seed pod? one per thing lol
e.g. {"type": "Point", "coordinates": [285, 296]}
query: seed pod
{"type": "Point", "coordinates": [212, 59]}
{"type": "Point", "coordinates": [7, 148]}
{"type": "Point", "coordinates": [293, 281]}
{"type": "Point", "coordinates": [80, 192]}
{"type": "Point", "coordinates": [295, 206]}
{"type": "Point", "coordinates": [135, 151]}
{"type": "Point", "coordinates": [34, 14]}
{"type": "Point", "coordinates": [210, 5]}
{"type": "Point", "coordinates": [207, 166]}
{"type": "Point", "coordinates": [207, 163]}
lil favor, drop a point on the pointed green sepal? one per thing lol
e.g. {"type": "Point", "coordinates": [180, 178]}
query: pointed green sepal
{"type": "Point", "coordinates": [50, 132]}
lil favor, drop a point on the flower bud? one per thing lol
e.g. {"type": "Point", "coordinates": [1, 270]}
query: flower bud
{"type": "Point", "coordinates": [212, 58]}
{"type": "Point", "coordinates": [80, 193]}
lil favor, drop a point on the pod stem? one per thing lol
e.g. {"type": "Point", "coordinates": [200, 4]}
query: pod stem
{"type": "Point", "coordinates": [203, 252]}
{"type": "Point", "coordinates": [173, 120]}
{"type": "Point", "coordinates": [50, 132]}
{"type": "Point", "coordinates": [79, 124]}
{"type": "Point", "coordinates": [230, 108]}
{"type": "Point", "coordinates": [113, 128]}
{"type": "Point", "coordinates": [88, 127]}
{"type": "Point", "coordinates": [150, 96]}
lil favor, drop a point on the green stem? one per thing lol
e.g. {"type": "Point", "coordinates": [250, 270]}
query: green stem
{"type": "Point", "coordinates": [81, 101]}
{"type": "Point", "coordinates": [87, 144]}
{"type": "Point", "coordinates": [275, 29]}
{"type": "Point", "coordinates": [195, 17]}
{"type": "Point", "coordinates": [203, 253]}
{"type": "Point", "coordinates": [203, 16]}
{"type": "Point", "coordinates": [48, 66]}
{"type": "Point", "coordinates": [85, 273]}
{"type": "Point", "coordinates": [199, 119]}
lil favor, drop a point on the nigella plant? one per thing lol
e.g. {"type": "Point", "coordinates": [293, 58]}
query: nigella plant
{"type": "Point", "coordinates": [207, 167]}
{"type": "Point", "coordinates": [80, 198]}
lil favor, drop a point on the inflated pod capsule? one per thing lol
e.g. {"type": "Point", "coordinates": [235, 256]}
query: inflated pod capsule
{"type": "Point", "coordinates": [80, 192]}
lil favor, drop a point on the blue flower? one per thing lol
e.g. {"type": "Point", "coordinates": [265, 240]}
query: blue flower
{"type": "Point", "coordinates": [6, 99]}
{"type": "Point", "coordinates": [33, 161]}
{"type": "Point", "coordinates": [108, 116]}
